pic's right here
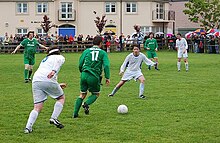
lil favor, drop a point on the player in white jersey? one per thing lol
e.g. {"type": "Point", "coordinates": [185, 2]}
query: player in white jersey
{"type": "Point", "coordinates": [45, 83]}
{"type": "Point", "coordinates": [131, 69]}
{"type": "Point", "coordinates": [182, 46]}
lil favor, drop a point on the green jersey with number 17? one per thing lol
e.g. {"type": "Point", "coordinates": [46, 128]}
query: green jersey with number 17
{"type": "Point", "coordinates": [94, 60]}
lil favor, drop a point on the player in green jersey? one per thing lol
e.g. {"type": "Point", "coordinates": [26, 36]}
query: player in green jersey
{"type": "Point", "coordinates": [91, 64]}
{"type": "Point", "coordinates": [151, 46]}
{"type": "Point", "coordinates": [30, 46]}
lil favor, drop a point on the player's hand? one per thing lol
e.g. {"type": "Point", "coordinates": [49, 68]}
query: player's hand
{"type": "Point", "coordinates": [121, 73]}
{"type": "Point", "coordinates": [51, 74]}
{"type": "Point", "coordinates": [184, 51]}
{"type": "Point", "coordinates": [156, 49]}
{"type": "Point", "coordinates": [148, 48]}
{"type": "Point", "coordinates": [63, 85]}
{"type": "Point", "coordinates": [107, 81]}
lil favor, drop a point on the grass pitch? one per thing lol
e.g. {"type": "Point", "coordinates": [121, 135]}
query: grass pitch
{"type": "Point", "coordinates": [180, 106]}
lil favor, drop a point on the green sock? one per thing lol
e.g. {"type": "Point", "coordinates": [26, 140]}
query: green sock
{"type": "Point", "coordinates": [26, 74]}
{"type": "Point", "coordinates": [30, 72]}
{"type": "Point", "coordinates": [91, 99]}
{"type": "Point", "coordinates": [77, 105]}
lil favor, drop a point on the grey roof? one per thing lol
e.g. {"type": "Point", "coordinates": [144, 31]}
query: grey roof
{"type": "Point", "coordinates": [26, 0]}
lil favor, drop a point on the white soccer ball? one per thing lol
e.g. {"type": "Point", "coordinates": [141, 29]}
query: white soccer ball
{"type": "Point", "coordinates": [122, 109]}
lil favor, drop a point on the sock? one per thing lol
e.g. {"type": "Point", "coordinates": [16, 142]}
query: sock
{"type": "Point", "coordinates": [187, 66]}
{"type": "Point", "coordinates": [32, 118]}
{"type": "Point", "coordinates": [91, 99]}
{"type": "Point", "coordinates": [115, 90]}
{"type": "Point", "coordinates": [30, 72]}
{"type": "Point", "coordinates": [25, 74]}
{"type": "Point", "coordinates": [141, 89]}
{"type": "Point", "coordinates": [178, 66]}
{"type": "Point", "coordinates": [149, 67]}
{"type": "Point", "coordinates": [77, 105]}
{"type": "Point", "coordinates": [58, 107]}
{"type": "Point", "coordinates": [156, 67]}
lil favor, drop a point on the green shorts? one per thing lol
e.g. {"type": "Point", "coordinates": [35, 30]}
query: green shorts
{"type": "Point", "coordinates": [89, 82]}
{"type": "Point", "coordinates": [29, 60]}
{"type": "Point", "coordinates": [151, 54]}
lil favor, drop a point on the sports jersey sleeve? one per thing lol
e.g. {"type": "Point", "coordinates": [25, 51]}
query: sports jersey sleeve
{"type": "Point", "coordinates": [59, 62]}
{"type": "Point", "coordinates": [145, 44]}
{"type": "Point", "coordinates": [81, 60]}
{"type": "Point", "coordinates": [106, 65]}
{"type": "Point", "coordinates": [185, 43]}
{"type": "Point", "coordinates": [23, 43]}
{"type": "Point", "coordinates": [123, 66]}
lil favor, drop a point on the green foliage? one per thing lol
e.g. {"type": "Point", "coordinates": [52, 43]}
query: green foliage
{"type": "Point", "coordinates": [205, 12]}
{"type": "Point", "coordinates": [181, 107]}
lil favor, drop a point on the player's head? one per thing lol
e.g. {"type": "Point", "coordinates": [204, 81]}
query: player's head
{"type": "Point", "coordinates": [53, 51]}
{"type": "Point", "coordinates": [178, 36]}
{"type": "Point", "coordinates": [97, 40]}
{"type": "Point", "coordinates": [151, 34]}
{"type": "Point", "coordinates": [136, 50]}
{"type": "Point", "coordinates": [30, 34]}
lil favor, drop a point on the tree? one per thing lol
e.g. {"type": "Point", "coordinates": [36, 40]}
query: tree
{"type": "Point", "coordinates": [100, 23]}
{"type": "Point", "coordinates": [46, 24]}
{"type": "Point", "coordinates": [205, 12]}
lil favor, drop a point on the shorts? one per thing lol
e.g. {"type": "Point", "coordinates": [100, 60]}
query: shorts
{"type": "Point", "coordinates": [29, 60]}
{"type": "Point", "coordinates": [89, 82]}
{"type": "Point", "coordinates": [180, 54]}
{"type": "Point", "coordinates": [151, 54]}
{"type": "Point", "coordinates": [42, 89]}
{"type": "Point", "coordinates": [128, 75]}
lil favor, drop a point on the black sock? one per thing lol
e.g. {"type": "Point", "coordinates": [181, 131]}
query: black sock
{"type": "Point", "coordinates": [30, 72]}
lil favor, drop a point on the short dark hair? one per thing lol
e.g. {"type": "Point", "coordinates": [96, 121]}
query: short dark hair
{"type": "Point", "coordinates": [29, 33]}
{"type": "Point", "coordinates": [54, 52]}
{"type": "Point", "coordinates": [179, 34]}
{"type": "Point", "coordinates": [97, 40]}
{"type": "Point", "coordinates": [151, 33]}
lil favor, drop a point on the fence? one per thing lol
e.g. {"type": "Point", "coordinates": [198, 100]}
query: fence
{"type": "Point", "coordinates": [81, 46]}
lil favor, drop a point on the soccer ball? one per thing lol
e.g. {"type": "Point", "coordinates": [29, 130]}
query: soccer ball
{"type": "Point", "coordinates": [122, 109]}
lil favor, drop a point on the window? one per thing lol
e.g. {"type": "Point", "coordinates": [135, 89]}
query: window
{"type": "Point", "coordinates": [42, 8]}
{"type": "Point", "coordinates": [131, 7]}
{"type": "Point", "coordinates": [22, 8]}
{"type": "Point", "coordinates": [110, 7]}
{"type": "Point", "coordinates": [66, 10]}
{"type": "Point", "coordinates": [145, 29]}
{"type": "Point", "coordinates": [160, 11]}
{"type": "Point", "coordinates": [22, 31]}
{"type": "Point", "coordinates": [40, 32]}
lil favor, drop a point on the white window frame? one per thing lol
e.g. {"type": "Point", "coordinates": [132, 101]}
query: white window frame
{"type": "Point", "coordinates": [131, 7]}
{"type": "Point", "coordinates": [20, 8]}
{"type": "Point", "coordinates": [112, 5]}
{"type": "Point", "coordinates": [160, 11]}
{"type": "Point", "coordinates": [68, 11]}
{"type": "Point", "coordinates": [43, 6]}
{"type": "Point", "coordinates": [22, 31]}
{"type": "Point", "coordinates": [40, 32]}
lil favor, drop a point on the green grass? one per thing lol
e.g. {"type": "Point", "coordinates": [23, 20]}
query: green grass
{"type": "Point", "coordinates": [181, 107]}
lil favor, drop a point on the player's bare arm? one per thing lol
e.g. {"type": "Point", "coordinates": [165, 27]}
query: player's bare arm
{"type": "Point", "coordinates": [51, 74]}
{"type": "Point", "coordinates": [18, 47]}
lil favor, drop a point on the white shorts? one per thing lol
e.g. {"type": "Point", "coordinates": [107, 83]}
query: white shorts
{"type": "Point", "coordinates": [180, 54]}
{"type": "Point", "coordinates": [128, 75]}
{"type": "Point", "coordinates": [42, 89]}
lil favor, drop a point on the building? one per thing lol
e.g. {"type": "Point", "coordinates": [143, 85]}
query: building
{"type": "Point", "coordinates": [77, 16]}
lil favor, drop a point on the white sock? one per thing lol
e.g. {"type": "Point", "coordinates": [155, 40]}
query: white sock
{"type": "Point", "coordinates": [141, 89]}
{"type": "Point", "coordinates": [32, 118]}
{"type": "Point", "coordinates": [178, 66]}
{"type": "Point", "coordinates": [114, 90]}
{"type": "Point", "coordinates": [187, 66]}
{"type": "Point", "coordinates": [58, 107]}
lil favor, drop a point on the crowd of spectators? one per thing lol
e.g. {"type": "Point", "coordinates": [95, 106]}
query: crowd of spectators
{"type": "Point", "coordinates": [197, 44]}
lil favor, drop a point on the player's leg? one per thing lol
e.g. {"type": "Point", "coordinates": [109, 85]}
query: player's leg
{"type": "Point", "coordinates": [150, 56]}
{"type": "Point", "coordinates": [185, 56]}
{"type": "Point", "coordinates": [117, 87]}
{"type": "Point", "coordinates": [141, 87]}
{"type": "Point", "coordinates": [83, 93]}
{"type": "Point", "coordinates": [26, 70]}
{"type": "Point", "coordinates": [179, 55]}
{"type": "Point", "coordinates": [33, 117]}
{"type": "Point", "coordinates": [58, 107]}
{"type": "Point", "coordinates": [31, 65]}
{"type": "Point", "coordinates": [156, 61]}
